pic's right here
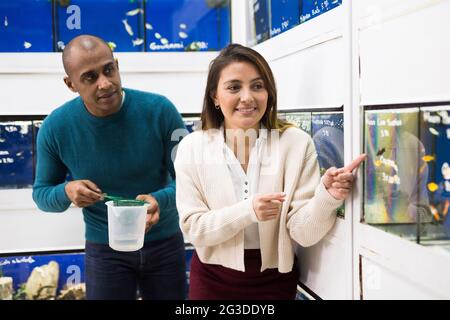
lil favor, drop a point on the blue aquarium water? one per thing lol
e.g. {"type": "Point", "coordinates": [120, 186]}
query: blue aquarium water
{"type": "Point", "coordinates": [26, 26]}
{"type": "Point", "coordinates": [178, 25]}
{"type": "Point", "coordinates": [261, 19]}
{"type": "Point", "coordinates": [71, 267]}
{"type": "Point", "coordinates": [313, 8]}
{"type": "Point", "coordinates": [118, 22]}
{"type": "Point", "coordinates": [435, 136]}
{"type": "Point", "coordinates": [327, 131]}
{"type": "Point", "coordinates": [285, 14]}
{"type": "Point", "coordinates": [16, 155]}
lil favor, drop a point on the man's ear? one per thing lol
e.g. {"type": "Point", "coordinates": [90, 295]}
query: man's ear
{"type": "Point", "coordinates": [69, 84]}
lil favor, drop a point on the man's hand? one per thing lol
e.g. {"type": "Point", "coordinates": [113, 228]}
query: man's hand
{"type": "Point", "coordinates": [267, 206]}
{"type": "Point", "coordinates": [152, 217]}
{"type": "Point", "coordinates": [339, 182]}
{"type": "Point", "coordinates": [83, 193]}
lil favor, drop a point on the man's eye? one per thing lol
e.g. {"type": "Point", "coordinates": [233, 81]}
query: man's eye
{"type": "Point", "coordinates": [109, 70]}
{"type": "Point", "coordinates": [89, 77]}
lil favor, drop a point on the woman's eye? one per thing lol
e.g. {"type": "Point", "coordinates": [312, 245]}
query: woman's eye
{"type": "Point", "coordinates": [233, 88]}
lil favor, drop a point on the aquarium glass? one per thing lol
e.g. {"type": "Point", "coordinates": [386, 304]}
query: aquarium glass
{"type": "Point", "coordinates": [301, 120]}
{"type": "Point", "coordinates": [26, 26]}
{"type": "Point", "coordinates": [195, 25]}
{"type": "Point", "coordinates": [16, 154]}
{"type": "Point", "coordinates": [435, 136]}
{"type": "Point", "coordinates": [285, 14]}
{"type": "Point", "coordinates": [313, 8]}
{"type": "Point", "coordinates": [20, 267]}
{"type": "Point", "coordinates": [118, 22]}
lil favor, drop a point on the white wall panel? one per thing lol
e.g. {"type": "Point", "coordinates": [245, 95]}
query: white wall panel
{"type": "Point", "coordinates": [380, 283]}
{"type": "Point", "coordinates": [24, 228]}
{"type": "Point", "coordinates": [312, 78]}
{"type": "Point", "coordinates": [405, 58]}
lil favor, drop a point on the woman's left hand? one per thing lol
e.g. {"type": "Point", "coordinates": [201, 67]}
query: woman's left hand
{"type": "Point", "coordinates": [339, 182]}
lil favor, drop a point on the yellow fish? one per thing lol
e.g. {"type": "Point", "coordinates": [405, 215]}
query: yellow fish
{"type": "Point", "coordinates": [112, 45]}
{"type": "Point", "coordinates": [428, 158]}
{"type": "Point", "coordinates": [432, 186]}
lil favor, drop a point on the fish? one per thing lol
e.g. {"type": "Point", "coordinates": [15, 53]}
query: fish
{"type": "Point", "coordinates": [182, 35]}
{"type": "Point", "coordinates": [6, 21]}
{"type": "Point", "coordinates": [157, 35]}
{"type": "Point", "coordinates": [182, 26]}
{"type": "Point", "coordinates": [60, 45]}
{"type": "Point", "coordinates": [445, 171]}
{"type": "Point", "coordinates": [164, 41]}
{"type": "Point", "coordinates": [128, 27]}
{"type": "Point", "coordinates": [134, 12]}
{"type": "Point", "coordinates": [27, 45]}
{"type": "Point", "coordinates": [138, 42]}
{"type": "Point", "coordinates": [112, 45]}
{"type": "Point", "coordinates": [148, 26]}
{"type": "Point", "coordinates": [432, 187]}
{"type": "Point", "coordinates": [435, 213]}
{"type": "Point", "coordinates": [377, 163]}
{"type": "Point", "coordinates": [434, 131]}
{"type": "Point", "coordinates": [381, 151]}
{"type": "Point", "coordinates": [428, 158]}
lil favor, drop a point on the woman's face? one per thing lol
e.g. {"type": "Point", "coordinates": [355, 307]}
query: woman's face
{"type": "Point", "coordinates": [241, 95]}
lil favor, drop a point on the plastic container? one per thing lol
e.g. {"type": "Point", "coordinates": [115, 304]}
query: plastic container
{"type": "Point", "coordinates": [126, 226]}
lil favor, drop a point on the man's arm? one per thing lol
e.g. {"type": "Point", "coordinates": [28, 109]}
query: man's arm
{"type": "Point", "coordinates": [49, 185]}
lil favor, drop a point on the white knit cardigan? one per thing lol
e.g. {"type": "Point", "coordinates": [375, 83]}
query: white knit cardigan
{"type": "Point", "coordinates": [214, 222]}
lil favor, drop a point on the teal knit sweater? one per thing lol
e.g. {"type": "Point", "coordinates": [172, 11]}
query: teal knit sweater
{"type": "Point", "coordinates": [125, 154]}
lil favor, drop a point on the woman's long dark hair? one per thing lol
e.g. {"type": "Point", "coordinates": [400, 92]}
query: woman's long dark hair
{"type": "Point", "coordinates": [211, 117]}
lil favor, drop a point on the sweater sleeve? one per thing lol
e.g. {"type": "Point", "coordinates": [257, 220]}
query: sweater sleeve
{"type": "Point", "coordinates": [201, 225]}
{"type": "Point", "coordinates": [49, 187]}
{"type": "Point", "coordinates": [312, 210]}
{"type": "Point", "coordinates": [171, 125]}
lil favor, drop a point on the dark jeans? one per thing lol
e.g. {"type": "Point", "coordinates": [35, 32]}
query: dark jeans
{"type": "Point", "coordinates": [158, 271]}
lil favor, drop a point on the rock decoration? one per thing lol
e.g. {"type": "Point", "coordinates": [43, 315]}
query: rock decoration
{"type": "Point", "coordinates": [43, 282]}
{"type": "Point", "coordinates": [6, 288]}
{"type": "Point", "coordinates": [74, 292]}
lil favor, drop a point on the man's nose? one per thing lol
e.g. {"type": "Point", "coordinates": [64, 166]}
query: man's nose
{"type": "Point", "coordinates": [104, 82]}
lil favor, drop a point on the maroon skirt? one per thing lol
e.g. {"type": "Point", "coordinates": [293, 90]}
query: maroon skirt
{"type": "Point", "coordinates": [215, 282]}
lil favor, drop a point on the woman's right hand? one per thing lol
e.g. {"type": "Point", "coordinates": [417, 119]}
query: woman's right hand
{"type": "Point", "coordinates": [267, 206]}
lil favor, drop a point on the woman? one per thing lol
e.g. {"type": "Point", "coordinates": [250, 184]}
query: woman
{"type": "Point", "coordinates": [248, 184]}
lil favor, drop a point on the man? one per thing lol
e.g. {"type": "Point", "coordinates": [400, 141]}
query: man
{"type": "Point", "coordinates": [115, 141]}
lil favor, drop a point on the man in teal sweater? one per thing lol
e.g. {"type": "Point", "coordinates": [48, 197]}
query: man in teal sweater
{"type": "Point", "coordinates": [115, 141]}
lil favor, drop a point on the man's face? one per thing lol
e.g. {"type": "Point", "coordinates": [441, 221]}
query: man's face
{"type": "Point", "coordinates": [94, 74]}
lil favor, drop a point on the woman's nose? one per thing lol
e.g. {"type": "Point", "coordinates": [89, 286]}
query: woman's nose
{"type": "Point", "coordinates": [246, 96]}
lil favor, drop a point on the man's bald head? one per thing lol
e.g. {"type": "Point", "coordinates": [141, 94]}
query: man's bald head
{"type": "Point", "coordinates": [81, 43]}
